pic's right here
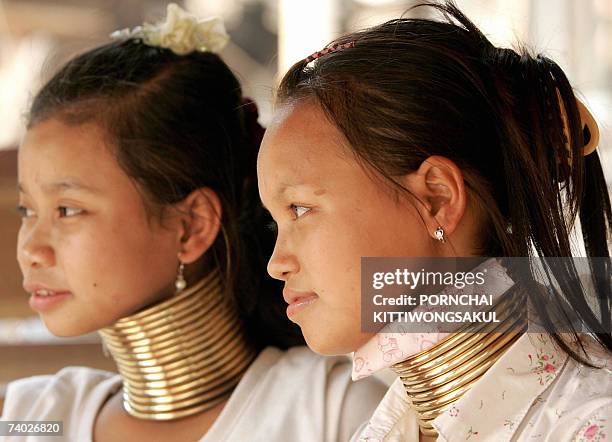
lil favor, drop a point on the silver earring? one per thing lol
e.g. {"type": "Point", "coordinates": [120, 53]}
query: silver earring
{"type": "Point", "coordinates": [440, 234]}
{"type": "Point", "coordinates": [180, 282]}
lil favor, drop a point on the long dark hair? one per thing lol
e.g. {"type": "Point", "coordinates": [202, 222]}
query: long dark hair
{"type": "Point", "coordinates": [175, 124]}
{"type": "Point", "coordinates": [411, 88]}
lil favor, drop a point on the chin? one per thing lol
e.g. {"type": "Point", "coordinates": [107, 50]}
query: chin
{"type": "Point", "coordinates": [66, 329]}
{"type": "Point", "coordinates": [331, 344]}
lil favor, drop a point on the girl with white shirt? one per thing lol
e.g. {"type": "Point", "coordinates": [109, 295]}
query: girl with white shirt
{"type": "Point", "coordinates": [420, 138]}
{"type": "Point", "coordinates": [141, 220]}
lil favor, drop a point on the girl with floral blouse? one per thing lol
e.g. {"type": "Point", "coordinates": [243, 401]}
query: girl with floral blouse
{"type": "Point", "coordinates": [420, 138]}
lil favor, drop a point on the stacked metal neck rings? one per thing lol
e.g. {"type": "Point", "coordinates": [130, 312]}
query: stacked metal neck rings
{"type": "Point", "coordinates": [182, 356]}
{"type": "Point", "coordinates": [437, 377]}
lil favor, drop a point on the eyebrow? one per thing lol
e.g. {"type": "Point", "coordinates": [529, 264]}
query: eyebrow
{"type": "Point", "coordinates": [287, 186]}
{"type": "Point", "coordinates": [62, 186]}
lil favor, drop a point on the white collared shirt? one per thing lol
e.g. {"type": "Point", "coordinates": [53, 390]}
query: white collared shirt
{"type": "Point", "coordinates": [292, 395]}
{"type": "Point", "coordinates": [534, 393]}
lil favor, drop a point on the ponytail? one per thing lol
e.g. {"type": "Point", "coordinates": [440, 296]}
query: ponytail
{"type": "Point", "coordinates": [543, 143]}
{"type": "Point", "coordinates": [510, 121]}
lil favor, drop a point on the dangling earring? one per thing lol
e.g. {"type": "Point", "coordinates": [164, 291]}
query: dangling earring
{"type": "Point", "coordinates": [180, 282]}
{"type": "Point", "coordinates": [440, 234]}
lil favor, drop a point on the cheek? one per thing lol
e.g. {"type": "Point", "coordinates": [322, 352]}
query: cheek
{"type": "Point", "coordinates": [134, 254]}
{"type": "Point", "coordinates": [336, 255]}
{"type": "Point", "coordinates": [86, 258]}
{"type": "Point", "coordinates": [122, 274]}
{"type": "Point", "coordinates": [119, 256]}
{"type": "Point", "coordinates": [19, 252]}
{"type": "Point", "coordinates": [393, 230]}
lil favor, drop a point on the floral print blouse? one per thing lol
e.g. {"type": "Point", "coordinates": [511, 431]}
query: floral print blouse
{"type": "Point", "coordinates": [534, 393]}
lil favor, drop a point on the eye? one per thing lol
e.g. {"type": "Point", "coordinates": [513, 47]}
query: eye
{"type": "Point", "coordinates": [24, 212]}
{"type": "Point", "coordinates": [299, 210]}
{"type": "Point", "coordinates": [68, 211]}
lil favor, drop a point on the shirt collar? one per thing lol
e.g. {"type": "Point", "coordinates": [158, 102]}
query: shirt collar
{"type": "Point", "coordinates": [390, 345]}
{"type": "Point", "coordinates": [495, 405]}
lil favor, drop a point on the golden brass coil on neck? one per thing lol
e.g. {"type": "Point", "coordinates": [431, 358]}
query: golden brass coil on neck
{"type": "Point", "coordinates": [437, 377]}
{"type": "Point", "coordinates": [181, 356]}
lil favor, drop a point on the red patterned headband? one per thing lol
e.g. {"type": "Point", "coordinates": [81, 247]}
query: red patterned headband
{"type": "Point", "coordinates": [329, 49]}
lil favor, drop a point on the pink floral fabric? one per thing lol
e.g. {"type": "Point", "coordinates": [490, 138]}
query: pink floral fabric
{"type": "Point", "coordinates": [594, 430]}
{"type": "Point", "coordinates": [534, 392]}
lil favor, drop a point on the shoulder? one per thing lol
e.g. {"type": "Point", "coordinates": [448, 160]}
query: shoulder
{"type": "Point", "coordinates": [317, 382]}
{"type": "Point", "coordinates": [305, 360]}
{"type": "Point", "coordinates": [286, 366]}
{"type": "Point", "coordinates": [582, 398]}
{"type": "Point", "coordinates": [583, 383]}
{"type": "Point", "coordinates": [334, 372]}
{"type": "Point", "coordinates": [323, 386]}
{"type": "Point", "coordinates": [56, 396]}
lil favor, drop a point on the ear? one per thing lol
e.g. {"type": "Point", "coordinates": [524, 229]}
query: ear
{"type": "Point", "coordinates": [200, 219]}
{"type": "Point", "coordinates": [438, 185]}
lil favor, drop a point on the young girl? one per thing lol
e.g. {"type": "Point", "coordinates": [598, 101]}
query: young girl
{"type": "Point", "coordinates": [420, 138]}
{"type": "Point", "coordinates": [141, 220]}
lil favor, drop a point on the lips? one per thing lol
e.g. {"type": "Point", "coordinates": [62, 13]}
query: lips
{"type": "Point", "coordinates": [44, 297]}
{"type": "Point", "coordinates": [37, 288]}
{"type": "Point", "coordinates": [298, 300]}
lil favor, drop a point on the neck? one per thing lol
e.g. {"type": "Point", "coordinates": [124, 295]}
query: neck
{"type": "Point", "coordinates": [182, 356]}
{"type": "Point", "coordinates": [436, 378]}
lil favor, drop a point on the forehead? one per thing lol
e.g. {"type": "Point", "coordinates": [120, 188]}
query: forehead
{"type": "Point", "coordinates": [52, 136]}
{"type": "Point", "coordinates": [302, 145]}
{"type": "Point", "coordinates": [52, 151]}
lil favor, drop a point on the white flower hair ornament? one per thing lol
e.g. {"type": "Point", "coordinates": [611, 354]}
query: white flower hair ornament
{"type": "Point", "coordinates": [181, 32]}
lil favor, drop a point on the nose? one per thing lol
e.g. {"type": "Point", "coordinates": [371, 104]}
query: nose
{"type": "Point", "coordinates": [33, 249]}
{"type": "Point", "coordinates": [282, 263]}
